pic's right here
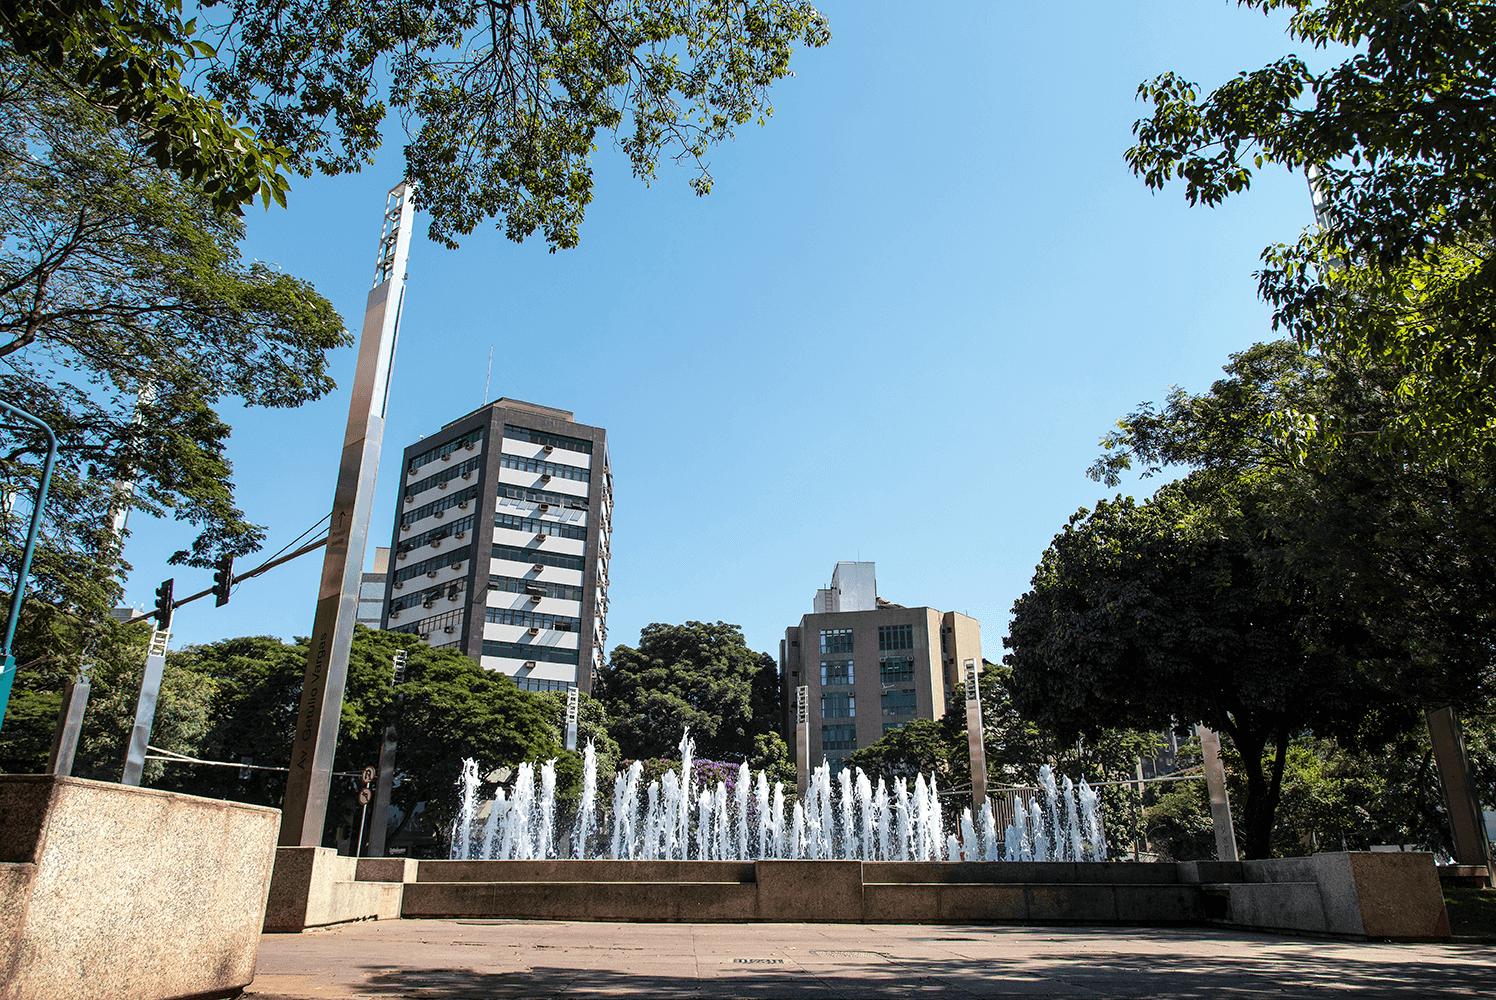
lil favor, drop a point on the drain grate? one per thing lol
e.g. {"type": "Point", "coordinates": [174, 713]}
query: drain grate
{"type": "Point", "coordinates": [758, 961]}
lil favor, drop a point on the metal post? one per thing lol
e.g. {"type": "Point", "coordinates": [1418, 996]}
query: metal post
{"type": "Point", "coordinates": [1461, 800]}
{"type": "Point", "coordinates": [572, 705]}
{"type": "Point", "coordinates": [1220, 806]}
{"type": "Point", "coordinates": [69, 726]}
{"type": "Point", "coordinates": [305, 806]}
{"type": "Point", "coordinates": [382, 794]}
{"type": "Point", "coordinates": [145, 708]}
{"type": "Point", "coordinates": [974, 743]}
{"type": "Point", "coordinates": [8, 663]}
{"type": "Point", "coordinates": [802, 739]}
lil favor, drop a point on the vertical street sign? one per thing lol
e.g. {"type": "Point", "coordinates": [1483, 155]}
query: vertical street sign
{"type": "Point", "coordinates": [69, 725]}
{"type": "Point", "coordinates": [802, 739]}
{"type": "Point", "coordinates": [310, 778]}
{"type": "Point", "coordinates": [974, 741]}
{"type": "Point", "coordinates": [382, 794]}
{"type": "Point", "coordinates": [1220, 806]}
{"type": "Point", "coordinates": [573, 700]}
{"type": "Point", "coordinates": [145, 708]}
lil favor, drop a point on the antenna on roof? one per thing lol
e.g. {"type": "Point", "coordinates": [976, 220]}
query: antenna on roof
{"type": "Point", "coordinates": [489, 377]}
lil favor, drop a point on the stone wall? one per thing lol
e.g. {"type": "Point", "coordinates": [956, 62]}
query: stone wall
{"type": "Point", "coordinates": [115, 891]}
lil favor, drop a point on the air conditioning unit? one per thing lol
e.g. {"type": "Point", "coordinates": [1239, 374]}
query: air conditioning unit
{"type": "Point", "coordinates": [534, 598]}
{"type": "Point", "coordinates": [442, 485]}
{"type": "Point", "coordinates": [432, 574]}
{"type": "Point", "coordinates": [529, 665]}
{"type": "Point", "coordinates": [457, 564]}
{"type": "Point", "coordinates": [470, 445]}
{"type": "Point", "coordinates": [428, 602]}
{"type": "Point", "coordinates": [410, 498]}
{"type": "Point", "coordinates": [447, 457]}
{"type": "Point", "coordinates": [460, 535]}
{"type": "Point", "coordinates": [468, 474]}
{"type": "Point", "coordinates": [545, 478]}
{"type": "Point", "coordinates": [399, 584]}
{"type": "Point", "coordinates": [394, 614]}
{"type": "Point", "coordinates": [450, 629]}
{"type": "Point", "coordinates": [533, 630]}
{"type": "Point", "coordinates": [548, 448]}
{"type": "Point", "coordinates": [540, 567]}
{"type": "Point", "coordinates": [440, 514]}
{"type": "Point", "coordinates": [541, 537]}
{"type": "Point", "coordinates": [543, 507]}
{"type": "Point", "coordinates": [436, 543]}
{"type": "Point", "coordinates": [462, 505]}
{"type": "Point", "coordinates": [403, 554]}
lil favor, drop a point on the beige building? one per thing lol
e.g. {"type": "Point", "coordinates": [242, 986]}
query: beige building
{"type": "Point", "coordinates": [870, 665]}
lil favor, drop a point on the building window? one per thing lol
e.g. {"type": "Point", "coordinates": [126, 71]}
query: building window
{"type": "Point", "coordinates": [445, 503]}
{"type": "Point", "coordinates": [896, 670]}
{"type": "Point", "coordinates": [437, 534]}
{"type": "Point", "coordinates": [451, 590]}
{"type": "Point", "coordinates": [441, 451]}
{"type": "Point", "coordinates": [447, 623]}
{"type": "Point", "coordinates": [445, 476]}
{"type": "Point", "coordinates": [535, 588]}
{"type": "Point", "coordinates": [433, 564]}
{"type": "Point", "coordinates": [836, 672]}
{"type": "Point", "coordinates": [557, 559]}
{"type": "Point", "coordinates": [531, 619]}
{"type": "Point", "coordinates": [528, 651]}
{"type": "Point", "coordinates": [514, 492]}
{"type": "Point", "coordinates": [838, 706]}
{"type": "Point", "coordinates": [541, 437]}
{"type": "Point", "coordinates": [836, 640]}
{"type": "Point", "coordinates": [899, 701]}
{"type": "Point", "coordinates": [541, 684]}
{"type": "Point", "coordinates": [544, 468]}
{"type": "Point", "coordinates": [895, 637]}
{"type": "Point", "coordinates": [576, 532]}
{"type": "Point", "coordinates": [839, 737]}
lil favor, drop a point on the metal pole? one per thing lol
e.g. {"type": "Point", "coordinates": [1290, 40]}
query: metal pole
{"type": "Point", "coordinates": [8, 666]}
{"type": "Point", "coordinates": [1220, 805]}
{"type": "Point", "coordinates": [305, 806]}
{"type": "Point", "coordinates": [974, 744]}
{"type": "Point", "coordinates": [145, 708]}
{"type": "Point", "coordinates": [1462, 801]}
{"type": "Point", "coordinates": [802, 739]}
{"type": "Point", "coordinates": [69, 726]}
{"type": "Point", "coordinates": [382, 794]}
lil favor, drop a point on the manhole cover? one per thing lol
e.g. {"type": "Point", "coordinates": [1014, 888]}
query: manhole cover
{"type": "Point", "coordinates": [758, 961]}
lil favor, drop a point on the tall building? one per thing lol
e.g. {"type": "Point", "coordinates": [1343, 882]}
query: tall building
{"type": "Point", "coordinates": [870, 665]}
{"type": "Point", "coordinates": [501, 543]}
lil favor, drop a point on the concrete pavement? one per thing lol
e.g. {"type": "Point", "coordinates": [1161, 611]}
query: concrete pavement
{"type": "Point", "coordinates": [505, 958]}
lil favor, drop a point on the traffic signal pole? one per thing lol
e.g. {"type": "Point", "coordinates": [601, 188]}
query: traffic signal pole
{"type": "Point", "coordinates": [305, 807]}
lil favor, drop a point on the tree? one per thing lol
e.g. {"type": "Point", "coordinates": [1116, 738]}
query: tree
{"type": "Point", "coordinates": [126, 315]}
{"type": "Point", "coordinates": [698, 676]}
{"type": "Point", "coordinates": [1401, 142]}
{"type": "Point", "coordinates": [1142, 615]}
{"type": "Point", "coordinates": [917, 747]}
{"type": "Point", "coordinates": [1403, 547]}
{"type": "Point", "coordinates": [449, 708]}
{"type": "Point", "coordinates": [502, 102]}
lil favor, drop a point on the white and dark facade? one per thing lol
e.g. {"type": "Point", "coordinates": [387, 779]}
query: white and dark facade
{"type": "Point", "coordinates": [870, 665]}
{"type": "Point", "coordinates": [501, 544]}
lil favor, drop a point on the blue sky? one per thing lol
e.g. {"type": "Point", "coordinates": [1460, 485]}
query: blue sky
{"type": "Point", "coordinates": [895, 330]}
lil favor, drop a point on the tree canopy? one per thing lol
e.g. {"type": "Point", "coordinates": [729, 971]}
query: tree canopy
{"type": "Point", "coordinates": [502, 103]}
{"type": "Point", "coordinates": [1154, 614]}
{"type": "Point", "coordinates": [127, 314]}
{"type": "Point", "coordinates": [697, 675]}
{"type": "Point", "coordinates": [1401, 143]}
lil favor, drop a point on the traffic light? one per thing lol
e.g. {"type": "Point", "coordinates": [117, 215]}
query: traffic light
{"type": "Point", "coordinates": [399, 666]}
{"type": "Point", "coordinates": [223, 579]}
{"type": "Point", "coordinates": [163, 605]}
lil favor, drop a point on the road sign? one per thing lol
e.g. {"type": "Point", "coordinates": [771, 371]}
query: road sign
{"type": "Point", "coordinates": [365, 796]}
{"type": "Point", "coordinates": [368, 775]}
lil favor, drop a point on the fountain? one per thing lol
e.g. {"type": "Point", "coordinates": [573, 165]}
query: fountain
{"type": "Point", "coordinates": [848, 817]}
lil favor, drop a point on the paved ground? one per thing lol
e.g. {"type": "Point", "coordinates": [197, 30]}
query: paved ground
{"type": "Point", "coordinates": [504, 958]}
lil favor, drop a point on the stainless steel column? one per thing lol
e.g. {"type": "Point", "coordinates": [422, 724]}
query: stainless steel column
{"type": "Point", "coordinates": [1220, 805]}
{"type": "Point", "coordinates": [305, 806]}
{"type": "Point", "coordinates": [974, 743]}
